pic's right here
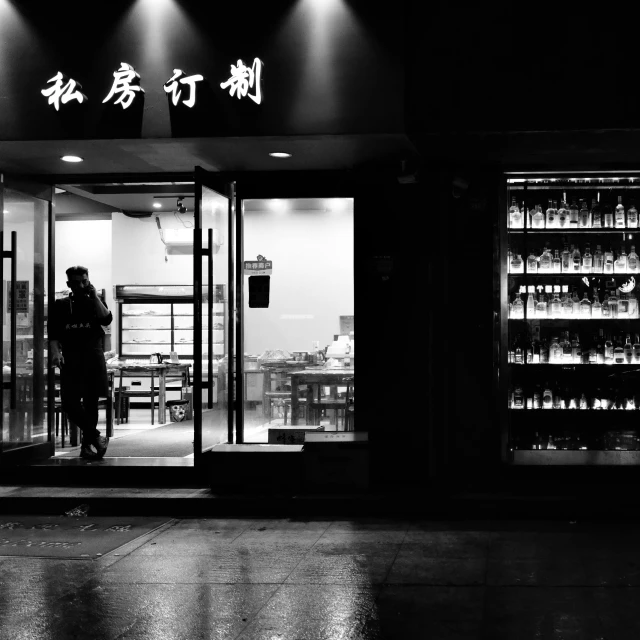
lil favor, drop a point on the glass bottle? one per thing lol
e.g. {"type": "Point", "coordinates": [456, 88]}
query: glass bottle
{"type": "Point", "coordinates": [517, 311]}
{"type": "Point", "coordinates": [537, 220]}
{"type": "Point", "coordinates": [633, 306]}
{"type": "Point", "coordinates": [557, 263]}
{"type": "Point", "coordinates": [555, 351]}
{"type": "Point", "coordinates": [563, 215]}
{"type": "Point", "coordinates": [596, 214]}
{"type": "Point", "coordinates": [567, 305]}
{"type": "Point", "coordinates": [593, 351]}
{"type": "Point", "coordinates": [567, 352]}
{"type": "Point", "coordinates": [547, 397]}
{"type": "Point", "coordinates": [618, 352]}
{"type": "Point", "coordinates": [518, 398]}
{"type": "Point", "coordinates": [600, 348]}
{"type": "Point", "coordinates": [619, 217]}
{"type": "Point", "coordinates": [628, 350]}
{"type": "Point", "coordinates": [515, 215]}
{"type": "Point", "coordinates": [623, 307]}
{"type": "Point", "coordinates": [608, 217]}
{"type": "Point", "coordinates": [551, 216]}
{"type": "Point", "coordinates": [531, 302]}
{"type": "Point", "coordinates": [516, 264]}
{"type": "Point", "coordinates": [608, 261]}
{"type": "Point", "coordinates": [576, 303]}
{"type": "Point", "coordinates": [636, 350]}
{"type": "Point", "coordinates": [566, 259]}
{"type": "Point", "coordinates": [546, 261]}
{"type": "Point", "coordinates": [596, 307]}
{"type": "Point", "coordinates": [608, 350]}
{"type": "Point", "coordinates": [632, 217]}
{"type": "Point", "coordinates": [576, 350]}
{"type": "Point", "coordinates": [587, 260]}
{"type": "Point", "coordinates": [575, 257]}
{"type": "Point", "coordinates": [556, 305]}
{"type": "Point", "coordinates": [606, 311]}
{"type": "Point", "coordinates": [541, 307]}
{"type": "Point", "coordinates": [598, 260]}
{"type": "Point", "coordinates": [632, 260]}
{"type": "Point", "coordinates": [573, 214]}
{"type": "Point", "coordinates": [532, 263]}
{"type": "Point", "coordinates": [544, 352]}
{"type": "Point", "coordinates": [584, 219]}
{"type": "Point", "coordinates": [620, 265]}
{"type": "Point", "coordinates": [613, 304]}
{"type": "Point", "coordinates": [585, 307]}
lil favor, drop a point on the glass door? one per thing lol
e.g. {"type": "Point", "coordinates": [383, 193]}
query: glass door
{"type": "Point", "coordinates": [28, 384]}
{"type": "Point", "coordinates": [214, 317]}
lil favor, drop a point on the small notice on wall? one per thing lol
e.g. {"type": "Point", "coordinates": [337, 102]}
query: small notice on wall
{"type": "Point", "coordinates": [259, 267]}
{"type": "Point", "coordinates": [22, 296]}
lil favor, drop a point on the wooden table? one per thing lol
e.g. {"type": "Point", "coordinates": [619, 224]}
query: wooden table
{"type": "Point", "coordinates": [162, 371]}
{"type": "Point", "coordinates": [325, 377]}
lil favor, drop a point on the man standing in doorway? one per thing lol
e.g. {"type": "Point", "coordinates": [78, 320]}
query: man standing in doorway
{"type": "Point", "coordinates": [75, 338]}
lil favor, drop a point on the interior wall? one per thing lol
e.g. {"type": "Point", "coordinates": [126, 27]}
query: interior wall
{"type": "Point", "coordinates": [312, 281]}
{"type": "Point", "coordinates": [88, 243]}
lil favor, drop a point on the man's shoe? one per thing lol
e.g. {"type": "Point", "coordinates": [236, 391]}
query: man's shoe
{"type": "Point", "coordinates": [101, 444]}
{"type": "Point", "coordinates": [87, 452]}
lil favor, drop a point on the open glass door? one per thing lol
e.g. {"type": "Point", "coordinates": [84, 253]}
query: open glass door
{"type": "Point", "coordinates": [28, 384]}
{"type": "Point", "coordinates": [214, 317]}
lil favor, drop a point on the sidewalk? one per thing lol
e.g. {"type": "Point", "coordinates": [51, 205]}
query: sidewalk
{"type": "Point", "coordinates": [265, 579]}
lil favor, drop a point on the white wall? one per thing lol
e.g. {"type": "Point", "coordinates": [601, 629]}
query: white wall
{"type": "Point", "coordinates": [312, 280]}
{"type": "Point", "coordinates": [88, 243]}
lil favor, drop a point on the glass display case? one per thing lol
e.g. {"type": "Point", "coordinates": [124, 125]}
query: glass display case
{"type": "Point", "coordinates": [570, 321]}
{"type": "Point", "coordinates": [159, 319]}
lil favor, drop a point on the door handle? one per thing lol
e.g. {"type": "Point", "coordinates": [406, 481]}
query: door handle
{"type": "Point", "coordinates": [12, 255]}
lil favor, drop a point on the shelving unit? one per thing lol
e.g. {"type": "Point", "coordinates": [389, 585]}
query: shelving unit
{"type": "Point", "coordinates": [540, 400]}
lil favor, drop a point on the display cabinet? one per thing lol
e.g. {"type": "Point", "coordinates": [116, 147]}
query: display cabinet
{"type": "Point", "coordinates": [569, 357]}
{"type": "Point", "coordinates": [159, 319]}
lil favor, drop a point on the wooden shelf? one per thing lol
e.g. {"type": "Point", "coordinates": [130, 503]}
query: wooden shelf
{"type": "Point", "coordinates": [572, 231]}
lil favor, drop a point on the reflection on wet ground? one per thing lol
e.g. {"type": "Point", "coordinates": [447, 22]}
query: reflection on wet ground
{"type": "Point", "coordinates": [326, 579]}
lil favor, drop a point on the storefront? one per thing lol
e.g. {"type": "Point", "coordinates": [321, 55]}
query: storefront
{"type": "Point", "coordinates": [222, 208]}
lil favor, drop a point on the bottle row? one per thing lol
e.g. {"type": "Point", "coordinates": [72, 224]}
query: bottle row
{"type": "Point", "coordinates": [573, 216]}
{"type": "Point", "coordinates": [554, 396]}
{"type": "Point", "coordinates": [566, 349]}
{"type": "Point", "coordinates": [572, 260]}
{"type": "Point", "coordinates": [555, 303]}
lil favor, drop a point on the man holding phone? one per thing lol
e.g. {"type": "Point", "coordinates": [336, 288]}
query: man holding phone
{"type": "Point", "coordinates": [75, 339]}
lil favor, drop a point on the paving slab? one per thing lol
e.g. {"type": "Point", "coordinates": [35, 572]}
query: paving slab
{"type": "Point", "coordinates": [70, 537]}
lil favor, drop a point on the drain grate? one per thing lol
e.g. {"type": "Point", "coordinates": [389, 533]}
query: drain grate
{"type": "Point", "coordinates": [71, 537]}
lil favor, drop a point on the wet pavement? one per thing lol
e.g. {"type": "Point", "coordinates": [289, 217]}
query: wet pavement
{"type": "Point", "coordinates": [257, 579]}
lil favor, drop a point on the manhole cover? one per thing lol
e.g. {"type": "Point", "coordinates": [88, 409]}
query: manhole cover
{"type": "Point", "coordinates": [69, 537]}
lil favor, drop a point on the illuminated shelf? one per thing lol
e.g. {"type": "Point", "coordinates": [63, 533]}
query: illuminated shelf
{"type": "Point", "coordinates": [574, 275]}
{"type": "Point", "coordinates": [573, 230]}
{"type": "Point", "coordinates": [594, 457]}
{"type": "Point", "coordinates": [559, 321]}
{"type": "Point", "coordinates": [631, 365]}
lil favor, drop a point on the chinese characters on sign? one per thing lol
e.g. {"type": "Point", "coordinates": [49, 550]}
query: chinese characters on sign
{"type": "Point", "coordinates": [63, 89]}
{"type": "Point", "coordinates": [126, 83]}
{"type": "Point", "coordinates": [126, 86]}
{"type": "Point", "coordinates": [22, 296]}
{"type": "Point", "coordinates": [258, 268]}
{"type": "Point", "coordinates": [171, 86]}
{"type": "Point", "coordinates": [244, 78]}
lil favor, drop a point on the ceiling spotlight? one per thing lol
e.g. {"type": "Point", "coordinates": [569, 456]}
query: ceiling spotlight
{"type": "Point", "coordinates": [180, 206]}
{"type": "Point", "coordinates": [6, 211]}
{"type": "Point", "coordinates": [71, 158]}
{"type": "Point", "coordinates": [157, 205]}
{"type": "Point", "coordinates": [280, 154]}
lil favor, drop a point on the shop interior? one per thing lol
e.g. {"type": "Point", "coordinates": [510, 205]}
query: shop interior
{"type": "Point", "coordinates": [137, 242]}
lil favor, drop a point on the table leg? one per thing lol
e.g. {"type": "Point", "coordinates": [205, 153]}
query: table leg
{"type": "Point", "coordinates": [162, 383]}
{"type": "Point", "coordinates": [294, 401]}
{"type": "Point", "coordinates": [110, 409]}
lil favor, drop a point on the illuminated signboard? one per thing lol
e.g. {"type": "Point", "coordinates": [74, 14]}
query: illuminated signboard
{"type": "Point", "coordinates": [243, 82]}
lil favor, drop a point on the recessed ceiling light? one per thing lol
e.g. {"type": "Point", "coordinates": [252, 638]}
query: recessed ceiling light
{"type": "Point", "coordinates": [5, 211]}
{"type": "Point", "coordinates": [71, 158]}
{"type": "Point", "coordinates": [280, 154]}
{"type": "Point", "coordinates": [157, 205]}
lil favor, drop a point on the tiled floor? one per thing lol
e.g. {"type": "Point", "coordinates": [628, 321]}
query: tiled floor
{"type": "Point", "coordinates": [325, 579]}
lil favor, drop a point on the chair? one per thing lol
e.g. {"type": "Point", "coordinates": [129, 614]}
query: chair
{"type": "Point", "coordinates": [319, 404]}
{"type": "Point", "coordinates": [124, 394]}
